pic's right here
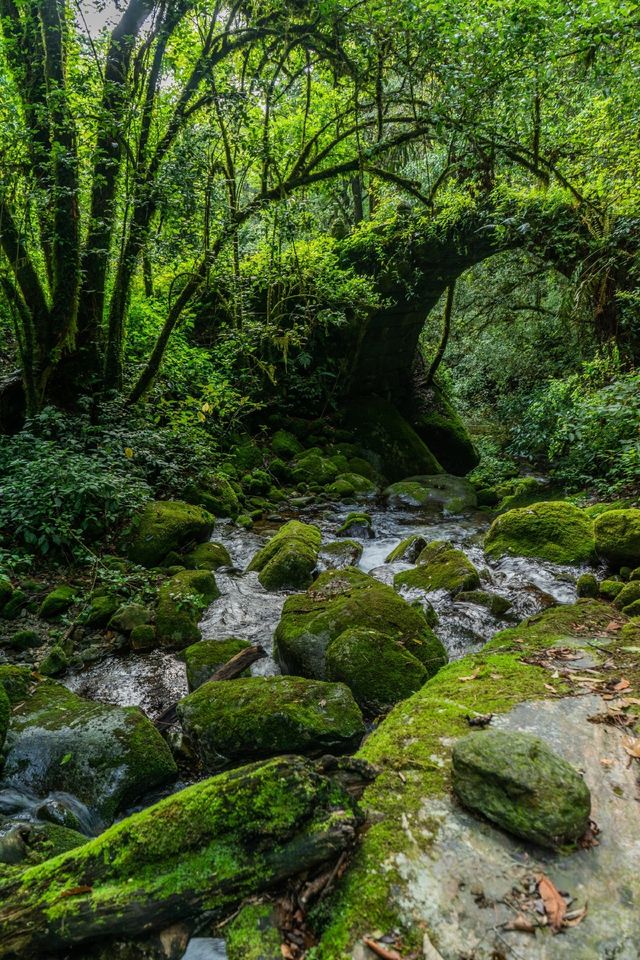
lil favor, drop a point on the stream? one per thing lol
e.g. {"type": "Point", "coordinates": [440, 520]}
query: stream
{"type": "Point", "coordinates": [244, 609]}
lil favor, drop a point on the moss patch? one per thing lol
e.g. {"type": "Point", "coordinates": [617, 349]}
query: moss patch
{"type": "Point", "coordinates": [238, 720]}
{"type": "Point", "coordinates": [440, 567]}
{"type": "Point", "coordinates": [181, 602]}
{"type": "Point", "coordinates": [163, 526]}
{"type": "Point", "coordinates": [554, 531]}
{"type": "Point", "coordinates": [341, 600]}
{"type": "Point", "coordinates": [617, 535]}
{"type": "Point", "coordinates": [207, 656]}
{"type": "Point", "coordinates": [290, 557]}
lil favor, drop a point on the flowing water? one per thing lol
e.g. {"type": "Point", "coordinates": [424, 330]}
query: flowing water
{"type": "Point", "coordinates": [152, 681]}
{"type": "Point", "coordinates": [246, 610]}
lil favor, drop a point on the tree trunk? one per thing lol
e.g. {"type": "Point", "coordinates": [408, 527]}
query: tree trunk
{"type": "Point", "coordinates": [200, 850]}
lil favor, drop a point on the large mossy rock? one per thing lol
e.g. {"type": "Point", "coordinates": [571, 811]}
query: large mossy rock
{"type": "Point", "coordinates": [25, 843]}
{"type": "Point", "coordinates": [105, 756]}
{"type": "Point", "coordinates": [617, 535]}
{"type": "Point", "coordinates": [57, 602]}
{"type": "Point", "coordinates": [289, 559]}
{"type": "Point", "coordinates": [313, 467]}
{"type": "Point", "coordinates": [163, 526]}
{"type": "Point", "coordinates": [565, 625]}
{"type": "Point", "coordinates": [207, 556]}
{"type": "Point", "coordinates": [215, 493]}
{"type": "Point", "coordinates": [234, 721]}
{"type": "Point", "coordinates": [445, 434]}
{"type": "Point", "coordinates": [440, 492]}
{"type": "Point", "coordinates": [207, 656]}
{"type": "Point", "coordinates": [440, 567]}
{"type": "Point", "coordinates": [181, 602]}
{"type": "Point", "coordinates": [389, 443]}
{"type": "Point", "coordinates": [554, 531]}
{"type": "Point", "coordinates": [380, 670]}
{"type": "Point", "coordinates": [201, 850]}
{"type": "Point", "coordinates": [349, 599]}
{"type": "Point", "coordinates": [517, 782]}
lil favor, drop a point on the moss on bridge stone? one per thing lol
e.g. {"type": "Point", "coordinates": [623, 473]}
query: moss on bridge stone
{"type": "Point", "coordinates": [388, 441]}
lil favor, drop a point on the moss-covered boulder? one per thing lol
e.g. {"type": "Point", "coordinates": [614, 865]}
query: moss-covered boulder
{"type": "Point", "coordinates": [356, 525]}
{"type": "Point", "coordinates": [440, 567]}
{"type": "Point", "coordinates": [215, 493]}
{"type": "Point", "coordinates": [348, 599]}
{"type": "Point", "coordinates": [55, 663]}
{"type": "Point", "coordinates": [388, 442]}
{"type": "Point", "coordinates": [57, 602]}
{"type": "Point", "coordinates": [129, 616]}
{"type": "Point", "coordinates": [207, 556]}
{"type": "Point", "coordinates": [351, 485]}
{"type": "Point", "coordinates": [163, 526]}
{"type": "Point", "coordinates": [587, 585]}
{"type": "Point", "coordinates": [143, 637]}
{"type": "Point", "coordinates": [554, 531]}
{"type": "Point", "coordinates": [313, 467]}
{"type": "Point", "coordinates": [609, 589]}
{"type": "Point", "coordinates": [565, 625]}
{"type": "Point", "coordinates": [617, 535]}
{"type": "Point", "coordinates": [105, 756]}
{"type": "Point", "coordinates": [207, 656]}
{"type": "Point", "coordinates": [102, 607]}
{"type": "Point", "coordinates": [200, 851]}
{"type": "Point", "coordinates": [445, 434]}
{"type": "Point", "coordinates": [290, 557]}
{"type": "Point", "coordinates": [181, 602]}
{"type": "Point", "coordinates": [629, 594]}
{"type": "Point", "coordinates": [338, 554]}
{"type": "Point", "coordinates": [493, 602]}
{"type": "Point", "coordinates": [25, 640]}
{"type": "Point", "coordinates": [523, 491]}
{"type": "Point", "coordinates": [517, 782]}
{"type": "Point", "coordinates": [379, 670]}
{"type": "Point", "coordinates": [27, 844]}
{"type": "Point", "coordinates": [285, 445]}
{"type": "Point", "coordinates": [233, 721]}
{"type": "Point", "coordinates": [441, 492]}
{"type": "Point", "coordinates": [408, 549]}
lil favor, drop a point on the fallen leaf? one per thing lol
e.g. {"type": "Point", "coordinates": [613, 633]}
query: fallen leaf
{"type": "Point", "coordinates": [76, 891]}
{"type": "Point", "coordinates": [623, 685]}
{"type": "Point", "coordinates": [613, 625]}
{"type": "Point", "coordinates": [385, 952]}
{"type": "Point", "coordinates": [521, 923]}
{"type": "Point", "coordinates": [555, 905]}
{"type": "Point", "coordinates": [606, 762]}
{"type": "Point", "coordinates": [472, 676]}
{"type": "Point", "coordinates": [632, 746]}
{"type": "Point", "coordinates": [548, 686]}
{"type": "Point", "coordinates": [575, 917]}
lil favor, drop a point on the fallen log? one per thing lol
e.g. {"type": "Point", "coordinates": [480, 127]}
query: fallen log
{"type": "Point", "coordinates": [199, 851]}
{"type": "Point", "coordinates": [228, 671]}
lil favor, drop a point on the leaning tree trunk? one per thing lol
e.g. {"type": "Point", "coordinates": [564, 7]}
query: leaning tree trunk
{"type": "Point", "coordinates": [200, 850]}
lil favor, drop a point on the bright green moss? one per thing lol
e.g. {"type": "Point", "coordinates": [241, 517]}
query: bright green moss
{"type": "Point", "coordinates": [57, 602]}
{"type": "Point", "coordinates": [207, 556]}
{"type": "Point", "coordinates": [290, 557]}
{"type": "Point", "coordinates": [564, 625]}
{"type": "Point", "coordinates": [618, 537]}
{"type": "Point", "coordinates": [494, 603]}
{"type": "Point", "coordinates": [203, 848]}
{"type": "Point", "coordinates": [442, 492]}
{"type": "Point", "coordinates": [609, 589]}
{"type": "Point", "coordinates": [253, 934]}
{"type": "Point", "coordinates": [378, 669]}
{"type": "Point", "coordinates": [440, 567]}
{"type": "Point", "coordinates": [165, 525]}
{"type": "Point", "coordinates": [181, 602]}
{"type": "Point", "coordinates": [554, 531]}
{"type": "Point", "coordinates": [285, 445]}
{"type": "Point", "coordinates": [341, 600]}
{"type": "Point", "coordinates": [215, 493]}
{"type": "Point", "coordinates": [207, 656]}
{"type": "Point", "coordinates": [356, 524]}
{"type": "Point", "coordinates": [629, 594]}
{"type": "Point", "coordinates": [408, 549]}
{"type": "Point", "coordinates": [241, 720]}
{"type": "Point", "coordinates": [587, 585]}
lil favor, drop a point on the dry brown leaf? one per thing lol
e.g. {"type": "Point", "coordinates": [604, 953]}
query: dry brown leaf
{"type": "Point", "coordinates": [287, 952]}
{"type": "Point", "coordinates": [521, 923]}
{"type": "Point", "coordinates": [472, 676]}
{"type": "Point", "coordinates": [606, 762]}
{"type": "Point", "coordinates": [613, 625]}
{"type": "Point", "coordinates": [76, 891]}
{"type": "Point", "coordinates": [548, 686]}
{"type": "Point", "coordinates": [632, 746]}
{"type": "Point", "coordinates": [381, 951]}
{"type": "Point", "coordinates": [555, 906]}
{"type": "Point", "coordinates": [623, 685]}
{"type": "Point", "coordinates": [575, 917]}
